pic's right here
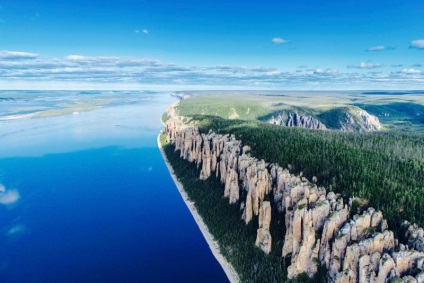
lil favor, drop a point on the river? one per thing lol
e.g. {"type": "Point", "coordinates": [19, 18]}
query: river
{"type": "Point", "coordinates": [86, 196]}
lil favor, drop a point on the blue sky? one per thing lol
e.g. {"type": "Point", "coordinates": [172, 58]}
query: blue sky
{"type": "Point", "coordinates": [303, 44]}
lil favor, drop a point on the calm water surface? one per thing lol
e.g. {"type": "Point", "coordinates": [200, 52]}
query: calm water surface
{"type": "Point", "coordinates": [88, 198]}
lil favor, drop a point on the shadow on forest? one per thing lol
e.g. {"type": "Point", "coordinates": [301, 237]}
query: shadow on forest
{"type": "Point", "coordinates": [404, 111]}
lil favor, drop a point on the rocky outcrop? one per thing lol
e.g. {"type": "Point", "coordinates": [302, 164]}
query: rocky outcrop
{"type": "Point", "coordinates": [351, 120]}
{"type": "Point", "coordinates": [296, 120]}
{"type": "Point", "coordinates": [319, 229]}
{"type": "Point", "coordinates": [371, 122]}
{"type": "Point", "coordinates": [414, 236]}
{"type": "Point", "coordinates": [359, 120]}
{"type": "Point", "coordinates": [263, 238]}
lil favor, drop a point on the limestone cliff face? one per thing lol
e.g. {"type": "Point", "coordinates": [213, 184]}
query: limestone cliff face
{"type": "Point", "coordinates": [371, 122]}
{"type": "Point", "coordinates": [296, 120]}
{"type": "Point", "coordinates": [359, 120]}
{"type": "Point", "coordinates": [352, 119]}
{"type": "Point", "coordinates": [319, 229]}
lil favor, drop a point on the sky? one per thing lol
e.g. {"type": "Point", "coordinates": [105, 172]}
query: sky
{"type": "Point", "coordinates": [187, 44]}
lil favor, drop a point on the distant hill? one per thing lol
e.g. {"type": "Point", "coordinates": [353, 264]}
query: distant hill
{"type": "Point", "coordinates": [344, 111]}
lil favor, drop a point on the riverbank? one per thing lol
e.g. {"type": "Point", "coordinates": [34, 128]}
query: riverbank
{"type": "Point", "coordinates": [213, 245]}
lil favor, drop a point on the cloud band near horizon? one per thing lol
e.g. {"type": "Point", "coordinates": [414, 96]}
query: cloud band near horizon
{"type": "Point", "coordinates": [28, 68]}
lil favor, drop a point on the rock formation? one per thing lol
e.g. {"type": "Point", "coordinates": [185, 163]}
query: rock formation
{"type": "Point", "coordinates": [372, 123]}
{"type": "Point", "coordinates": [319, 229]}
{"type": "Point", "coordinates": [263, 238]}
{"type": "Point", "coordinates": [296, 120]}
{"type": "Point", "coordinates": [353, 120]}
{"type": "Point", "coordinates": [359, 120]}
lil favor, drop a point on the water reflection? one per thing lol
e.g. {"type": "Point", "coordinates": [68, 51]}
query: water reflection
{"type": "Point", "coordinates": [87, 198]}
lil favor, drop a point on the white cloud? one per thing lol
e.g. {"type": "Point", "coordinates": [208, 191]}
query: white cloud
{"type": "Point", "coordinates": [117, 72]}
{"type": "Point", "coordinates": [410, 71]}
{"type": "Point", "coordinates": [114, 61]}
{"type": "Point", "coordinates": [377, 48]}
{"type": "Point", "coordinates": [325, 72]}
{"type": "Point", "coordinates": [76, 58]}
{"type": "Point", "coordinates": [364, 65]}
{"type": "Point", "coordinates": [418, 43]}
{"type": "Point", "coordinates": [145, 31]}
{"type": "Point", "coordinates": [16, 55]}
{"type": "Point", "coordinates": [273, 73]}
{"type": "Point", "coordinates": [381, 48]}
{"type": "Point", "coordinates": [238, 69]}
{"type": "Point", "coordinates": [278, 40]}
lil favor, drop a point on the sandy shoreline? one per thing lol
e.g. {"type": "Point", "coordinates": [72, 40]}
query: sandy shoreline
{"type": "Point", "coordinates": [213, 245]}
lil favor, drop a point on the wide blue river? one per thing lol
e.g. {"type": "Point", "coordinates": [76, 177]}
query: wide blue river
{"type": "Point", "coordinates": [86, 197]}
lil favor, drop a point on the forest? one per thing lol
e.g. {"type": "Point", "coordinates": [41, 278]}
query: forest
{"type": "Point", "coordinates": [384, 169]}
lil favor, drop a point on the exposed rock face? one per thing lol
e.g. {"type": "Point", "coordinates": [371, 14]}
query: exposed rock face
{"type": "Point", "coordinates": [414, 236]}
{"type": "Point", "coordinates": [263, 239]}
{"type": "Point", "coordinates": [296, 120]}
{"type": "Point", "coordinates": [224, 155]}
{"type": "Point", "coordinates": [360, 121]}
{"type": "Point", "coordinates": [372, 123]}
{"type": "Point", "coordinates": [319, 229]}
{"type": "Point", "coordinates": [352, 121]}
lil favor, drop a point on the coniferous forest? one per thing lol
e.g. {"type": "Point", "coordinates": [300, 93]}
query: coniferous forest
{"type": "Point", "coordinates": [385, 170]}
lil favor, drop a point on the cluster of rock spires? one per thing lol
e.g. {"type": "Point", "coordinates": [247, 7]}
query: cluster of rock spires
{"type": "Point", "coordinates": [297, 120]}
{"type": "Point", "coordinates": [318, 225]}
{"type": "Point", "coordinates": [358, 121]}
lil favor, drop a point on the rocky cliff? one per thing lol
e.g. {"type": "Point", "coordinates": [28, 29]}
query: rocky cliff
{"type": "Point", "coordinates": [319, 228]}
{"type": "Point", "coordinates": [359, 120]}
{"type": "Point", "coordinates": [348, 119]}
{"type": "Point", "coordinates": [296, 120]}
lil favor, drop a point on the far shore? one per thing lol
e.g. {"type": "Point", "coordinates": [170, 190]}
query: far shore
{"type": "Point", "coordinates": [213, 244]}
